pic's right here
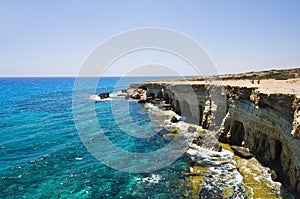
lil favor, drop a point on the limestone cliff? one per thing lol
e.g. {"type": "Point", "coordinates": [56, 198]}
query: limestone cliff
{"type": "Point", "coordinates": [268, 124]}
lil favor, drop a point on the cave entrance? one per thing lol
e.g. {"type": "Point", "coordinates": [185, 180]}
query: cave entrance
{"type": "Point", "coordinates": [176, 106]}
{"type": "Point", "coordinates": [278, 150]}
{"type": "Point", "coordinates": [200, 115]}
{"type": "Point", "coordinates": [167, 98]}
{"type": "Point", "coordinates": [159, 94]}
{"type": "Point", "coordinates": [237, 132]}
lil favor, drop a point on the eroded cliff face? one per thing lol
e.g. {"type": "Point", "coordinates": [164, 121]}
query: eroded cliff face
{"type": "Point", "coordinates": [197, 103]}
{"type": "Point", "coordinates": [267, 124]}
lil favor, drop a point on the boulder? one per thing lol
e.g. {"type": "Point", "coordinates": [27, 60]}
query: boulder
{"type": "Point", "coordinates": [103, 95]}
{"type": "Point", "coordinates": [192, 129]}
{"type": "Point", "coordinates": [199, 140]}
{"type": "Point", "coordinates": [207, 141]}
{"type": "Point", "coordinates": [136, 96]}
{"type": "Point", "coordinates": [273, 174]}
{"type": "Point", "coordinates": [174, 119]}
{"type": "Point", "coordinates": [140, 91]}
{"type": "Point", "coordinates": [142, 101]}
{"type": "Point", "coordinates": [242, 152]}
{"type": "Point", "coordinates": [217, 147]}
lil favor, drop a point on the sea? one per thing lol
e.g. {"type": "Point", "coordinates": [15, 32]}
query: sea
{"type": "Point", "coordinates": [43, 156]}
{"type": "Point", "coordinates": [48, 127]}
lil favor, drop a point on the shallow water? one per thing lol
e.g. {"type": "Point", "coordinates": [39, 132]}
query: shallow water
{"type": "Point", "coordinates": [42, 156]}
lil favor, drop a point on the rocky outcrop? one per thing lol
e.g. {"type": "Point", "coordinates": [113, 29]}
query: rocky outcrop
{"type": "Point", "coordinates": [242, 152]}
{"type": "Point", "coordinates": [137, 93]}
{"type": "Point", "coordinates": [266, 124]}
{"type": "Point", "coordinates": [103, 95]}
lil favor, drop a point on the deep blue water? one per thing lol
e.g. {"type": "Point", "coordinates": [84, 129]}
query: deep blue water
{"type": "Point", "coordinates": [42, 156]}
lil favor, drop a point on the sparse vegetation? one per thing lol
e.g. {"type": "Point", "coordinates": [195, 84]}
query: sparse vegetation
{"type": "Point", "coordinates": [284, 74]}
{"type": "Point", "coordinates": [278, 75]}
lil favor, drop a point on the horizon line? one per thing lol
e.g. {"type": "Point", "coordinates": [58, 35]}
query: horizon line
{"type": "Point", "coordinates": [97, 76]}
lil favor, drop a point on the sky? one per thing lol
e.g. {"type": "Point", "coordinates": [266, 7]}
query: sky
{"type": "Point", "coordinates": [54, 38]}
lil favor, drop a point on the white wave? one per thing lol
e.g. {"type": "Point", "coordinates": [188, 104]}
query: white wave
{"type": "Point", "coordinates": [153, 179]}
{"type": "Point", "coordinates": [116, 95]}
{"type": "Point", "coordinates": [97, 98]}
{"type": "Point", "coordinates": [94, 97]}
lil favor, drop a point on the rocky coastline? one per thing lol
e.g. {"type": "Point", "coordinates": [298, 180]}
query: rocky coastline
{"type": "Point", "coordinates": [254, 119]}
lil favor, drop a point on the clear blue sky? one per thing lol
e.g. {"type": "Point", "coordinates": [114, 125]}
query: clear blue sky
{"type": "Point", "coordinates": [52, 38]}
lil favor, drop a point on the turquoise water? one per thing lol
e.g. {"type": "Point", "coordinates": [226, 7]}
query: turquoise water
{"type": "Point", "coordinates": [42, 156]}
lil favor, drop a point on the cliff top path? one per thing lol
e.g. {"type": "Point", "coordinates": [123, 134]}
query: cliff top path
{"type": "Point", "coordinates": [268, 82]}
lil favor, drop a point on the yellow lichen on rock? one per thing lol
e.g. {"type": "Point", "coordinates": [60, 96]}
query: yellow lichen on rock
{"type": "Point", "coordinates": [196, 185]}
{"type": "Point", "coordinates": [227, 192]}
{"type": "Point", "coordinates": [256, 180]}
{"type": "Point", "coordinates": [196, 181]}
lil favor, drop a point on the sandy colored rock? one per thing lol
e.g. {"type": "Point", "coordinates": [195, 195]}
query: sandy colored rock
{"type": "Point", "coordinates": [260, 115]}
